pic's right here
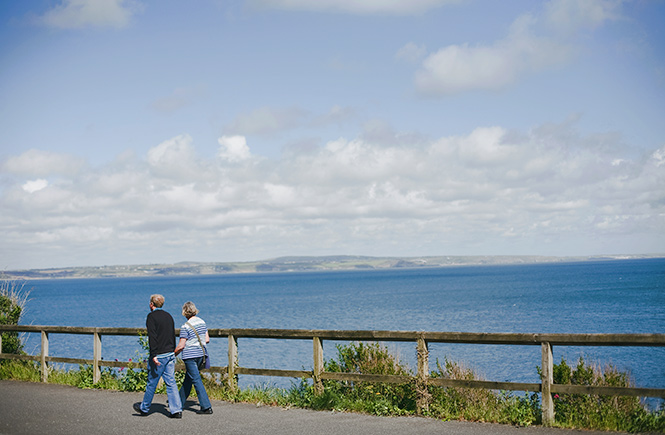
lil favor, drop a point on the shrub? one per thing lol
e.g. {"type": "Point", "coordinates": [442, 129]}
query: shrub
{"type": "Point", "coordinates": [83, 378]}
{"type": "Point", "coordinates": [478, 404]}
{"type": "Point", "coordinates": [134, 377]}
{"type": "Point", "coordinates": [13, 298]}
{"type": "Point", "coordinates": [371, 398]}
{"type": "Point", "coordinates": [623, 413]}
{"type": "Point", "coordinates": [20, 370]}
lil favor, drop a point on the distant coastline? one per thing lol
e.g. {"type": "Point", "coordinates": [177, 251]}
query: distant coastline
{"type": "Point", "coordinates": [298, 264]}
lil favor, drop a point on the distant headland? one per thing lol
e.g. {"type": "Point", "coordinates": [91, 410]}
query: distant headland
{"type": "Point", "coordinates": [298, 264]}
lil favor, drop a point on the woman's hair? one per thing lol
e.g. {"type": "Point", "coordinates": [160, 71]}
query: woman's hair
{"type": "Point", "coordinates": [189, 309]}
{"type": "Point", "coordinates": [157, 300]}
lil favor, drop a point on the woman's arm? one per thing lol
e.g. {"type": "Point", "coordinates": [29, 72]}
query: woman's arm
{"type": "Point", "coordinates": [180, 346]}
{"type": "Point", "coordinates": [207, 338]}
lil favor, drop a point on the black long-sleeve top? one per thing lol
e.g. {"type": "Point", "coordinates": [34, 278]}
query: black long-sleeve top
{"type": "Point", "coordinates": [161, 332]}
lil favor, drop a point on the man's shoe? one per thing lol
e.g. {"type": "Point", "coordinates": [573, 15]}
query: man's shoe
{"type": "Point", "coordinates": [176, 415]}
{"type": "Point", "coordinates": [205, 411]}
{"type": "Point", "coordinates": [137, 408]}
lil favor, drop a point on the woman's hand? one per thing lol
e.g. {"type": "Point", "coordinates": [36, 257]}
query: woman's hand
{"type": "Point", "coordinates": [180, 346]}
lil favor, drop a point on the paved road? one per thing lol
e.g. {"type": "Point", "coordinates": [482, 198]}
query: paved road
{"type": "Point", "coordinates": [35, 408]}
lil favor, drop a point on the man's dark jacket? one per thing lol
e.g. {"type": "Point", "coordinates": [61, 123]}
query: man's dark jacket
{"type": "Point", "coordinates": [161, 333]}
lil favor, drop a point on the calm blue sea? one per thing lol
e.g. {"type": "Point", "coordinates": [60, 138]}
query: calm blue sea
{"type": "Point", "coordinates": [621, 296]}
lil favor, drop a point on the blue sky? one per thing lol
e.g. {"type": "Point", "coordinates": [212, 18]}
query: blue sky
{"type": "Point", "coordinates": [144, 131]}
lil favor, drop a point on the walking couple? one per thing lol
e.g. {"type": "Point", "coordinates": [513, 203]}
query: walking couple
{"type": "Point", "coordinates": [163, 351]}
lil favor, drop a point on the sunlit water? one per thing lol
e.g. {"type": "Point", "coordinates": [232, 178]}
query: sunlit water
{"type": "Point", "coordinates": [626, 296]}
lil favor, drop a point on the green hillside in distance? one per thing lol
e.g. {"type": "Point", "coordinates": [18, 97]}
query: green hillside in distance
{"type": "Point", "coordinates": [296, 264]}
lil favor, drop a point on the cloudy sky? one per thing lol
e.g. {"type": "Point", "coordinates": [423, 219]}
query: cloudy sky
{"type": "Point", "coordinates": [150, 131]}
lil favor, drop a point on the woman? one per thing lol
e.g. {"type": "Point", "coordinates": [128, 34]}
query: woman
{"type": "Point", "coordinates": [192, 354]}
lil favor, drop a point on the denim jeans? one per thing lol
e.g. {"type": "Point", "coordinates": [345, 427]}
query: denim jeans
{"type": "Point", "coordinates": [165, 370]}
{"type": "Point", "coordinates": [193, 377]}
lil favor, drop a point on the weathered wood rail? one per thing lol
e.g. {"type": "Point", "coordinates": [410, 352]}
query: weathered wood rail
{"type": "Point", "coordinates": [546, 387]}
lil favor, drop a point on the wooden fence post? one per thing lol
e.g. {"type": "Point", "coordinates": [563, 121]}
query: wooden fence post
{"type": "Point", "coordinates": [96, 357]}
{"type": "Point", "coordinates": [44, 354]}
{"type": "Point", "coordinates": [422, 394]}
{"type": "Point", "coordinates": [318, 365]}
{"type": "Point", "coordinates": [547, 379]}
{"type": "Point", "coordinates": [233, 363]}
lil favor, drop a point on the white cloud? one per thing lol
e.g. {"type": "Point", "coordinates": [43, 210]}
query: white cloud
{"type": "Point", "coordinates": [528, 48]}
{"type": "Point", "coordinates": [39, 163]}
{"type": "Point", "coordinates": [35, 185]}
{"type": "Point", "coordinates": [460, 68]}
{"type": "Point", "coordinates": [233, 148]}
{"type": "Point", "coordinates": [364, 7]}
{"type": "Point", "coordinates": [175, 158]}
{"type": "Point", "coordinates": [659, 156]}
{"type": "Point", "coordinates": [74, 14]}
{"type": "Point", "coordinates": [568, 16]}
{"type": "Point", "coordinates": [171, 152]}
{"type": "Point", "coordinates": [548, 190]}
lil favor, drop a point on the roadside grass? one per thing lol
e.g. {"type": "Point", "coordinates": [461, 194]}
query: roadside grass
{"type": "Point", "coordinates": [627, 414]}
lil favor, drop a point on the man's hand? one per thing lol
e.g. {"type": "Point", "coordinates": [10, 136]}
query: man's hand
{"type": "Point", "coordinates": [156, 361]}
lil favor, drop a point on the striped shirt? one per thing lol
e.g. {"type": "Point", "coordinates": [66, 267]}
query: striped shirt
{"type": "Point", "coordinates": [192, 347]}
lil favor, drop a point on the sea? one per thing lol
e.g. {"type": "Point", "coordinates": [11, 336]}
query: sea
{"type": "Point", "coordinates": [608, 296]}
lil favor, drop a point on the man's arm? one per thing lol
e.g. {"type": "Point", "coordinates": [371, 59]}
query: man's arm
{"type": "Point", "coordinates": [151, 326]}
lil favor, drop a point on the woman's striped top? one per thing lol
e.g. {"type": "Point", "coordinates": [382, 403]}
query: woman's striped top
{"type": "Point", "coordinates": [192, 347]}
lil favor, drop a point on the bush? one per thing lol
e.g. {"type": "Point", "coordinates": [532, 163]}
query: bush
{"type": "Point", "coordinates": [475, 404]}
{"type": "Point", "coordinates": [622, 413]}
{"type": "Point", "coordinates": [371, 398]}
{"type": "Point", "coordinates": [20, 370]}
{"type": "Point", "coordinates": [13, 298]}
{"type": "Point", "coordinates": [108, 381]}
{"type": "Point", "coordinates": [134, 377]}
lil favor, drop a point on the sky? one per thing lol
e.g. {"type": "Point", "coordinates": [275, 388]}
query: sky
{"type": "Point", "coordinates": [160, 131]}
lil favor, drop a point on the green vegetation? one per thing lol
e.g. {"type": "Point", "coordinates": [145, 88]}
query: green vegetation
{"type": "Point", "coordinates": [371, 398]}
{"type": "Point", "coordinates": [13, 297]}
{"type": "Point", "coordinates": [601, 412]}
{"type": "Point", "coordinates": [480, 405]}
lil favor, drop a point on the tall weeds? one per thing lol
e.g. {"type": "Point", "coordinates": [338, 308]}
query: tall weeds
{"type": "Point", "coordinates": [13, 298]}
{"type": "Point", "coordinates": [622, 413]}
{"type": "Point", "coordinates": [478, 404]}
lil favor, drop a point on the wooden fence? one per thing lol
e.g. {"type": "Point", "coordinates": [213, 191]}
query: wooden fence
{"type": "Point", "coordinates": [546, 387]}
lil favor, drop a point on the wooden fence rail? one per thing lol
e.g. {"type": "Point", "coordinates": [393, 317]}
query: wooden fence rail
{"type": "Point", "coordinates": [546, 387]}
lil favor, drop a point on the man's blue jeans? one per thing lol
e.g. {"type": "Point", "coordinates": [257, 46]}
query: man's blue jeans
{"type": "Point", "coordinates": [165, 370]}
{"type": "Point", "coordinates": [193, 377]}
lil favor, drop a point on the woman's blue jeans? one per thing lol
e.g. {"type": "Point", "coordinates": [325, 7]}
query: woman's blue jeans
{"type": "Point", "coordinates": [165, 370]}
{"type": "Point", "coordinates": [193, 377]}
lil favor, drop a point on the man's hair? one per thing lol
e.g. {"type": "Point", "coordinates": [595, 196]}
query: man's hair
{"type": "Point", "coordinates": [157, 300]}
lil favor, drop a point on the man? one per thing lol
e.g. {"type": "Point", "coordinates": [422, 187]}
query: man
{"type": "Point", "coordinates": [161, 364]}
